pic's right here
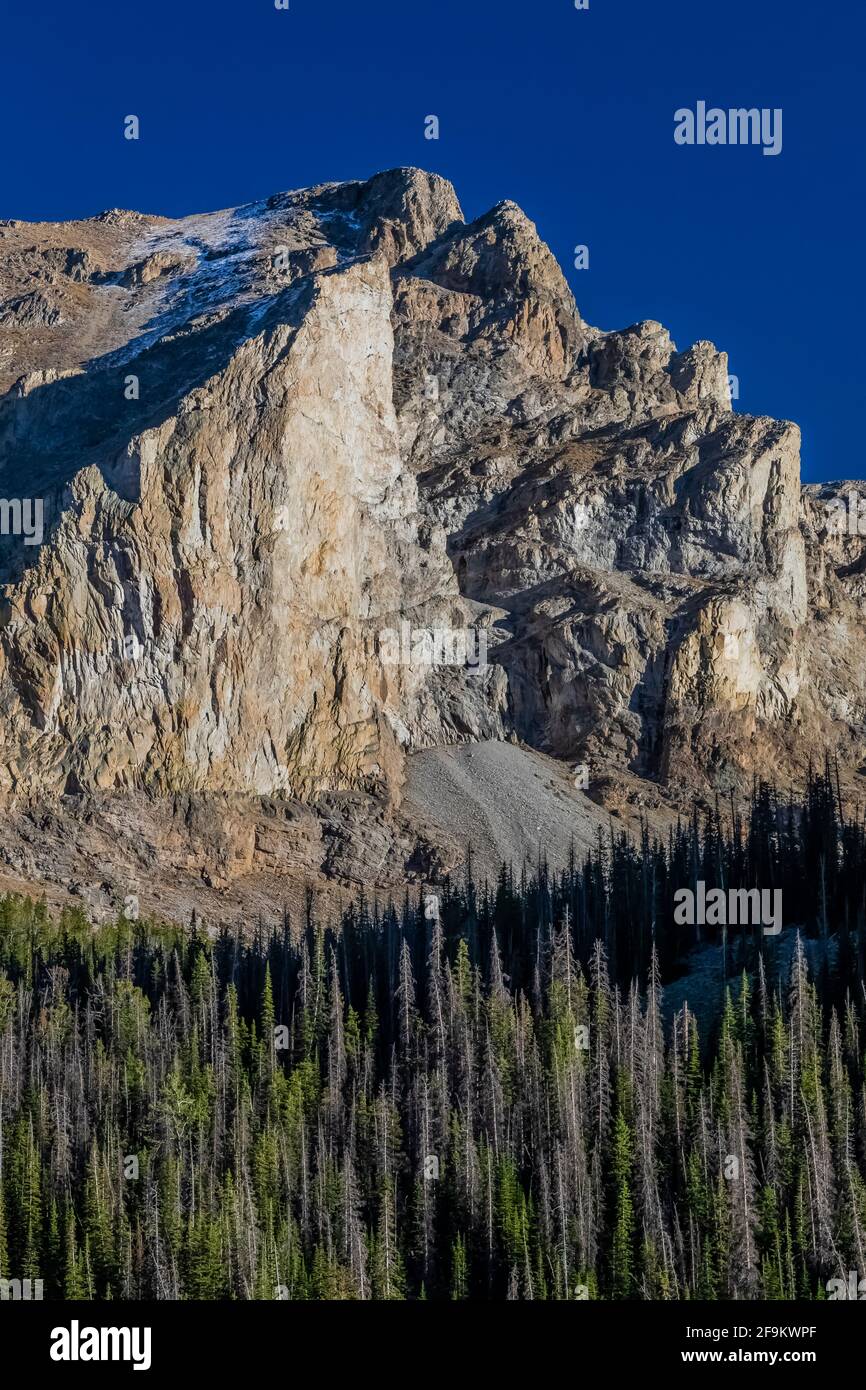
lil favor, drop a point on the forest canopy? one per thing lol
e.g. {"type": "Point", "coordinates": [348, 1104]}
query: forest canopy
{"type": "Point", "coordinates": [492, 1100]}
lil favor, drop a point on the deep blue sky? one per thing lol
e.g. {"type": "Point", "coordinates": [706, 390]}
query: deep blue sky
{"type": "Point", "coordinates": [569, 113]}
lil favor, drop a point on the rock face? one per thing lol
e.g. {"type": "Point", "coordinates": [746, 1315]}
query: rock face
{"type": "Point", "coordinates": [209, 610]}
{"type": "Point", "coordinates": [277, 445]}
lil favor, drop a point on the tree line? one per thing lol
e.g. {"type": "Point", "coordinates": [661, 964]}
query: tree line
{"type": "Point", "coordinates": [482, 1096]}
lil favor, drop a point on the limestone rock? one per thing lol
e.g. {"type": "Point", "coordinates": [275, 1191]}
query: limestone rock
{"type": "Point", "coordinates": [277, 443]}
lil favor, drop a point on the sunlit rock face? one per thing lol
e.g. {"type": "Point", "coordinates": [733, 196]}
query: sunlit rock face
{"type": "Point", "coordinates": [276, 443]}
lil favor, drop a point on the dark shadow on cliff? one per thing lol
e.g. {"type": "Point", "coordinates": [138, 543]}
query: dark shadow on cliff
{"type": "Point", "coordinates": [50, 434]}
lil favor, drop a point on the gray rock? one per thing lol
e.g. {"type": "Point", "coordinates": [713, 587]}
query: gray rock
{"type": "Point", "coordinates": [355, 415]}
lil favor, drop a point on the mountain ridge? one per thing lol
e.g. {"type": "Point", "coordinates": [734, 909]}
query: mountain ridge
{"type": "Point", "coordinates": [268, 435]}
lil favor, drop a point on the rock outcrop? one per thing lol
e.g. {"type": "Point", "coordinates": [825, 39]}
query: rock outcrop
{"type": "Point", "coordinates": [275, 446]}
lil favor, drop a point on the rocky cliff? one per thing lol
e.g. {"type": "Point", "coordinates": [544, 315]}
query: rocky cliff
{"type": "Point", "coordinates": [286, 454]}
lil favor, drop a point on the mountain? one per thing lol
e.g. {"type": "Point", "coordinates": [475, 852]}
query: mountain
{"type": "Point", "coordinates": [275, 445]}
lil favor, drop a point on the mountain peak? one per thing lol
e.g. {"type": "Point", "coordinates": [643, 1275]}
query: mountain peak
{"type": "Point", "coordinates": [267, 435]}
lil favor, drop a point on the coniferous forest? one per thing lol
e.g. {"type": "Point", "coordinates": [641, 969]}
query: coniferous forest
{"type": "Point", "coordinates": [487, 1099]}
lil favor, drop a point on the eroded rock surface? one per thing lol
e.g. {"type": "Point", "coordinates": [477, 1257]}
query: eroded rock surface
{"type": "Point", "coordinates": [270, 441]}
